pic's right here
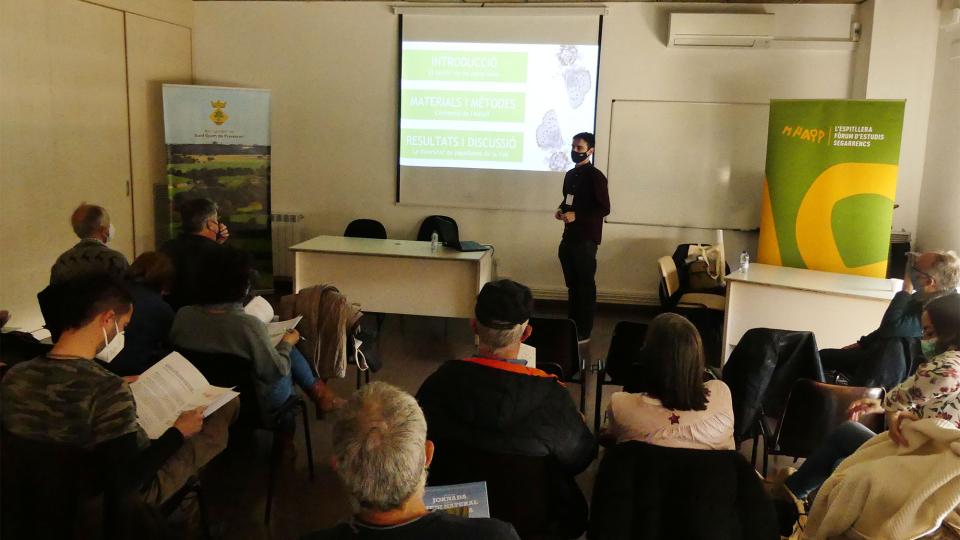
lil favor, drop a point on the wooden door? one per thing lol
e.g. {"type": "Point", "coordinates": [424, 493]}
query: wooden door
{"type": "Point", "coordinates": [157, 52]}
{"type": "Point", "coordinates": [63, 137]}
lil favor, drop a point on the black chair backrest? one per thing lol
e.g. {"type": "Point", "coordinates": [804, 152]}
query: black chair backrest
{"type": "Point", "coordinates": [16, 347]}
{"type": "Point", "coordinates": [761, 370]}
{"type": "Point", "coordinates": [521, 490]}
{"type": "Point", "coordinates": [230, 371]}
{"type": "Point", "coordinates": [654, 492]}
{"type": "Point", "coordinates": [43, 486]}
{"type": "Point", "coordinates": [626, 347]}
{"type": "Point", "coordinates": [556, 342]}
{"type": "Point", "coordinates": [814, 409]}
{"type": "Point", "coordinates": [365, 228]}
{"type": "Point", "coordinates": [445, 227]}
{"type": "Point", "coordinates": [49, 300]}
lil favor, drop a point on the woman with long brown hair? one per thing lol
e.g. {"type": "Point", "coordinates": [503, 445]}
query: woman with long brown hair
{"type": "Point", "coordinates": [678, 409]}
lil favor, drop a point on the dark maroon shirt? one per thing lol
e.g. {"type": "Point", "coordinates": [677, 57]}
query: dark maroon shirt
{"type": "Point", "coordinates": [591, 202]}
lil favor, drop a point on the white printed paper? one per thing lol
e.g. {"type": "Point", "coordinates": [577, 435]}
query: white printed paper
{"type": "Point", "coordinates": [529, 354]}
{"type": "Point", "coordinates": [276, 330]}
{"type": "Point", "coordinates": [170, 387]}
{"type": "Point", "coordinates": [260, 308]}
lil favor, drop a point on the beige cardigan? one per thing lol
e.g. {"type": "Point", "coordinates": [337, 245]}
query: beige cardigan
{"type": "Point", "coordinates": [885, 491]}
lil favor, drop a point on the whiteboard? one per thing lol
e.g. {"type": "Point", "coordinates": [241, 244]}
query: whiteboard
{"type": "Point", "coordinates": [687, 164]}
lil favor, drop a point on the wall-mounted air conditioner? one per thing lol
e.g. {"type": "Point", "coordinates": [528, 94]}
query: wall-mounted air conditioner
{"type": "Point", "coordinates": [745, 30]}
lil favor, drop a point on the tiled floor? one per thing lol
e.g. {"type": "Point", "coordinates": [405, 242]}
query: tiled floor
{"type": "Point", "coordinates": [412, 347]}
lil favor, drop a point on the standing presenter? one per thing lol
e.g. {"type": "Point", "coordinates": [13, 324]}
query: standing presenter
{"type": "Point", "coordinates": [585, 203]}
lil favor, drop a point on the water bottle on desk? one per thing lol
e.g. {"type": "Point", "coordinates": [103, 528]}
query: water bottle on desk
{"type": "Point", "coordinates": [744, 262]}
{"type": "Point", "coordinates": [434, 242]}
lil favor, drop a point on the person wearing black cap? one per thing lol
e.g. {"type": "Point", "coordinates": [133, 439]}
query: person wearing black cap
{"type": "Point", "coordinates": [585, 203]}
{"type": "Point", "coordinates": [493, 402]}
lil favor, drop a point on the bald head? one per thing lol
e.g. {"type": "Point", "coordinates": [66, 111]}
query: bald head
{"type": "Point", "coordinates": [91, 221]}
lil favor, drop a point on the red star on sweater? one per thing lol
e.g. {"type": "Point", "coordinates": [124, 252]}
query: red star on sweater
{"type": "Point", "coordinates": [674, 419]}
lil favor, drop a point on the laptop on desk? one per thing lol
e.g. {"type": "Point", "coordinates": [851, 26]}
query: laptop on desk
{"type": "Point", "coordinates": [464, 245]}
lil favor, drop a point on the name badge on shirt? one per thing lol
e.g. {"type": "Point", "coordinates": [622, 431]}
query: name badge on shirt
{"type": "Point", "coordinates": [569, 200]}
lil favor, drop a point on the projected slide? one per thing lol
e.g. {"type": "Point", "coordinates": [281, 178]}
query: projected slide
{"type": "Point", "coordinates": [494, 105]}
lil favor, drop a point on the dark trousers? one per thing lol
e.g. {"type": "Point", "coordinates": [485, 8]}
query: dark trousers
{"type": "Point", "coordinates": [885, 362]}
{"type": "Point", "coordinates": [578, 258]}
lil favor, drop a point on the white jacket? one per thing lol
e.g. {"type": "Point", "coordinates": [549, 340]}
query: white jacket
{"type": "Point", "coordinates": [885, 491]}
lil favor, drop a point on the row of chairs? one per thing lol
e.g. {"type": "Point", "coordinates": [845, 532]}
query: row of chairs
{"type": "Point", "coordinates": [444, 226]}
{"type": "Point", "coordinates": [810, 411]}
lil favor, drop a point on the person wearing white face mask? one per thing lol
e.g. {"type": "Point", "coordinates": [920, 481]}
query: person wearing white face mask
{"type": "Point", "coordinates": [65, 397]}
{"type": "Point", "coordinates": [92, 225]}
{"type": "Point", "coordinates": [932, 392]}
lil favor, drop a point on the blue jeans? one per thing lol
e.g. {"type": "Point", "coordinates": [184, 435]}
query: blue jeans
{"type": "Point", "coordinates": [300, 374]}
{"type": "Point", "coordinates": [820, 464]}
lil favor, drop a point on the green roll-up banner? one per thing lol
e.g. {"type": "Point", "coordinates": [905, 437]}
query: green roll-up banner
{"type": "Point", "coordinates": [831, 179]}
{"type": "Point", "coordinates": [218, 147]}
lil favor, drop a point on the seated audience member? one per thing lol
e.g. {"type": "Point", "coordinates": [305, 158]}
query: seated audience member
{"type": "Point", "coordinates": [146, 337]}
{"type": "Point", "coordinates": [65, 397]}
{"type": "Point", "coordinates": [679, 410]}
{"type": "Point", "coordinates": [492, 402]}
{"type": "Point", "coordinates": [218, 324]}
{"type": "Point", "coordinates": [92, 225]}
{"type": "Point", "coordinates": [202, 234]}
{"type": "Point", "coordinates": [381, 453]}
{"type": "Point", "coordinates": [867, 362]}
{"type": "Point", "coordinates": [932, 392]}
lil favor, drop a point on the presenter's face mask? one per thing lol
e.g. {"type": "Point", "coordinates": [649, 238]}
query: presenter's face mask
{"type": "Point", "coordinates": [579, 151]}
{"type": "Point", "coordinates": [111, 347]}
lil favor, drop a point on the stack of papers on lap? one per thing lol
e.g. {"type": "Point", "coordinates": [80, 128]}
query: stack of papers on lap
{"type": "Point", "coordinates": [173, 385]}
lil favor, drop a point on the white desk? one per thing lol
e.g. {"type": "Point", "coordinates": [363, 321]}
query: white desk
{"type": "Point", "coordinates": [838, 308]}
{"type": "Point", "coordinates": [395, 276]}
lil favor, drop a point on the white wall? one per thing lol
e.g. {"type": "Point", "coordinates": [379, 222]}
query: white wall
{"type": "Point", "coordinates": [900, 48]}
{"type": "Point", "coordinates": [333, 70]}
{"type": "Point", "coordinates": [939, 227]}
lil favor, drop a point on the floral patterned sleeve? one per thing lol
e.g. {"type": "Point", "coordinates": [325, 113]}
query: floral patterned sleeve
{"type": "Point", "coordinates": [932, 392]}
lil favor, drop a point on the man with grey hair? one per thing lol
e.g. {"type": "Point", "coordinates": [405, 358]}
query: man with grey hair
{"type": "Point", "coordinates": [91, 224]}
{"type": "Point", "coordinates": [492, 402]}
{"type": "Point", "coordinates": [201, 236]}
{"type": "Point", "coordinates": [889, 354]}
{"type": "Point", "coordinates": [381, 453]}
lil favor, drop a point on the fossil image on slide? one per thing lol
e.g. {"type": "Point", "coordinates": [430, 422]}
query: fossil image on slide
{"type": "Point", "coordinates": [578, 84]}
{"type": "Point", "coordinates": [568, 54]}
{"type": "Point", "coordinates": [558, 161]}
{"type": "Point", "coordinates": [548, 132]}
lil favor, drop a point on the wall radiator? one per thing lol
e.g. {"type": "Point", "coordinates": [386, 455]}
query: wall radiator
{"type": "Point", "coordinates": [287, 230]}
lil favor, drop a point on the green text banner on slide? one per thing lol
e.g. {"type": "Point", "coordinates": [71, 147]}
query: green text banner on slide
{"type": "Point", "coordinates": [489, 101]}
{"type": "Point", "coordinates": [218, 147]}
{"type": "Point", "coordinates": [831, 180]}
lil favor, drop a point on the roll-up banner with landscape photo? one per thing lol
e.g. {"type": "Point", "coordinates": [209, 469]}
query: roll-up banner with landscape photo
{"type": "Point", "coordinates": [831, 180]}
{"type": "Point", "coordinates": [218, 147]}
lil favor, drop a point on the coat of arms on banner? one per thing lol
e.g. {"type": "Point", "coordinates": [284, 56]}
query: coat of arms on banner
{"type": "Point", "coordinates": [218, 117]}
